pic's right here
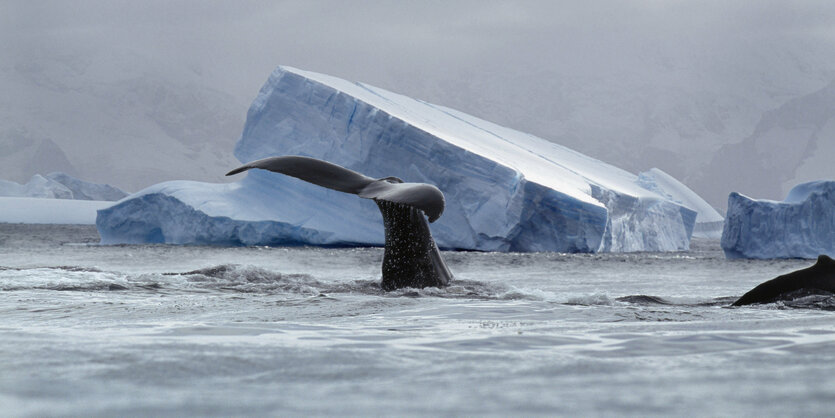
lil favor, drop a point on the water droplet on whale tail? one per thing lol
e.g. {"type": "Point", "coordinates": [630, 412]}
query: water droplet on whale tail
{"type": "Point", "coordinates": [411, 258]}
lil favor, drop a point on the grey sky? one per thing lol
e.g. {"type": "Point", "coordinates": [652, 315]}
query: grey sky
{"type": "Point", "coordinates": [569, 71]}
{"type": "Point", "coordinates": [236, 41]}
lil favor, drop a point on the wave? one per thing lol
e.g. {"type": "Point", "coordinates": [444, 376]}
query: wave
{"type": "Point", "coordinates": [644, 300]}
{"type": "Point", "coordinates": [238, 279]}
{"type": "Point", "coordinates": [234, 278]}
{"type": "Point", "coordinates": [805, 299]}
{"type": "Point", "coordinates": [246, 279]}
{"type": "Point", "coordinates": [60, 278]}
{"type": "Point", "coordinates": [249, 279]}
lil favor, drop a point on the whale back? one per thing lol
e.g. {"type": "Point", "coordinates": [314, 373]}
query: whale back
{"type": "Point", "coordinates": [817, 278]}
{"type": "Point", "coordinates": [826, 262]}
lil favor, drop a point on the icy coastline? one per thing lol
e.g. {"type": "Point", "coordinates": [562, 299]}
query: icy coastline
{"type": "Point", "coordinates": [506, 190]}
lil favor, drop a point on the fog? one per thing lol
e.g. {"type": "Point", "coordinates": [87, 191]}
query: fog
{"type": "Point", "coordinates": [712, 92]}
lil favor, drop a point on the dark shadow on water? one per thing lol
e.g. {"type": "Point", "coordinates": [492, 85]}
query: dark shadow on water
{"type": "Point", "coordinates": [248, 279]}
{"type": "Point", "coordinates": [800, 299]}
{"type": "Point", "coordinates": [647, 300]}
{"type": "Point", "coordinates": [644, 300]}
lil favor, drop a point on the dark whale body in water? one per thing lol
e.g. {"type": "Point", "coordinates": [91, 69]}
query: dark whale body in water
{"type": "Point", "coordinates": [818, 278]}
{"type": "Point", "coordinates": [411, 257]}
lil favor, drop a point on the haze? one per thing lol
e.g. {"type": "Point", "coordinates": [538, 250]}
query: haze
{"type": "Point", "coordinates": [726, 96]}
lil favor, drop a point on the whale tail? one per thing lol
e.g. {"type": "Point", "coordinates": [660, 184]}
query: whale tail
{"type": "Point", "coordinates": [425, 197]}
{"type": "Point", "coordinates": [411, 257]}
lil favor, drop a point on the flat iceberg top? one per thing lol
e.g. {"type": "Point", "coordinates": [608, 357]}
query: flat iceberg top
{"type": "Point", "coordinates": [798, 194]}
{"type": "Point", "coordinates": [802, 191]}
{"type": "Point", "coordinates": [548, 164]}
{"type": "Point", "coordinates": [215, 199]}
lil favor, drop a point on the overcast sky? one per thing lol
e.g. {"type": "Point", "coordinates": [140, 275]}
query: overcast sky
{"type": "Point", "coordinates": [433, 50]}
{"type": "Point", "coordinates": [240, 42]}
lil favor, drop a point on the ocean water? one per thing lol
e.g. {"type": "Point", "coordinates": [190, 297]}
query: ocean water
{"type": "Point", "coordinates": [185, 330]}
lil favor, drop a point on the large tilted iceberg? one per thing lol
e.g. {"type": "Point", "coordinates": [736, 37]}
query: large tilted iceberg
{"type": "Point", "coordinates": [801, 226]}
{"type": "Point", "coordinates": [505, 190]}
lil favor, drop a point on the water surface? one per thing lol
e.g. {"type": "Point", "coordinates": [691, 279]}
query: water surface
{"type": "Point", "coordinates": [184, 330]}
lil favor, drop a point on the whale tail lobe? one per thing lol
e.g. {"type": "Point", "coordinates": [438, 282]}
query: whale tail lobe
{"type": "Point", "coordinates": [411, 257]}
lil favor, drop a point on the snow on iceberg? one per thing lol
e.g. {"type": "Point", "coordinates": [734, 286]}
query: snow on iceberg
{"type": "Point", "coordinates": [505, 190]}
{"type": "Point", "coordinates": [709, 222]}
{"type": "Point", "coordinates": [60, 186]}
{"type": "Point", "coordinates": [801, 226]}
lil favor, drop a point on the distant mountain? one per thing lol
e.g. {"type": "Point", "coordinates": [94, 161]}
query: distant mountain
{"type": "Point", "coordinates": [792, 144]}
{"type": "Point", "coordinates": [95, 116]}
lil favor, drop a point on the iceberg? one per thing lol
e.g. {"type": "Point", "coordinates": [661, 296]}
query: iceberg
{"type": "Point", "coordinates": [505, 190]}
{"type": "Point", "coordinates": [37, 186]}
{"type": "Point", "coordinates": [55, 199]}
{"type": "Point", "coordinates": [801, 226]}
{"type": "Point", "coordinates": [709, 222]}
{"type": "Point", "coordinates": [60, 186]}
{"type": "Point", "coordinates": [84, 190]}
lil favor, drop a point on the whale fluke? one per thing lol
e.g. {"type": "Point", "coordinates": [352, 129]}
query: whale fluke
{"type": "Point", "coordinates": [425, 197]}
{"type": "Point", "coordinates": [411, 257]}
{"type": "Point", "coordinates": [819, 277]}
